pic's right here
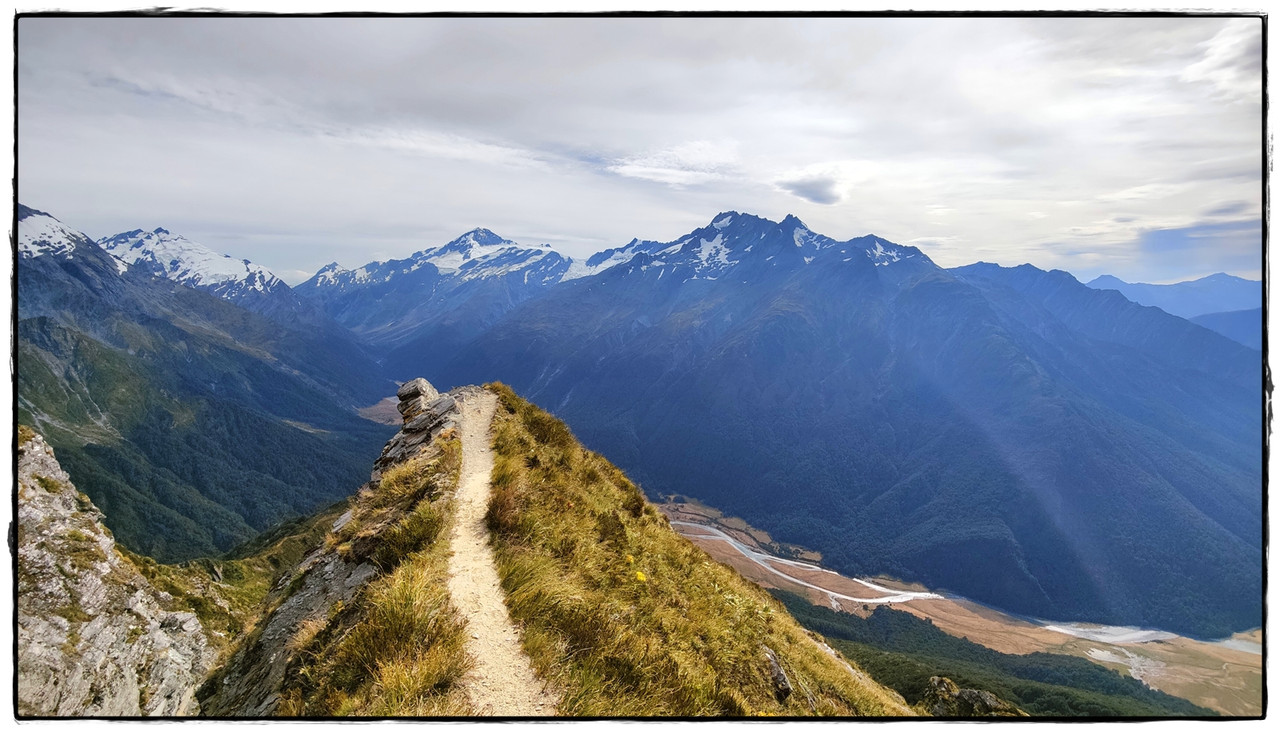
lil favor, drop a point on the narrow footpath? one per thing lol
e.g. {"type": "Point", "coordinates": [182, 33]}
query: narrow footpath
{"type": "Point", "coordinates": [503, 682]}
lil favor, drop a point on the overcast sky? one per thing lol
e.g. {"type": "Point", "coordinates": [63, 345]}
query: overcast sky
{"type": "Point", "coordinates": [1129, 146]}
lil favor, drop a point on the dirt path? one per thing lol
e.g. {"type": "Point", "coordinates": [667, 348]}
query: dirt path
{"type": "Point", "coordinates": [503, 682]}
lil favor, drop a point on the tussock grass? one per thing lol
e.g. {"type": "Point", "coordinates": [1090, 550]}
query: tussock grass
{"type": "Point", "coordinates": [399, 648]}
{"type": "Point", "coordinates": [625, 616]}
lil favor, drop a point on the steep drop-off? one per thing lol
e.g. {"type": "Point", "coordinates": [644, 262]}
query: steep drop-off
{"type": "Point", "coordinates": [95, 638]}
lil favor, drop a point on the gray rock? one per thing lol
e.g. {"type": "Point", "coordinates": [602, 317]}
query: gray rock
{"type": "Point", "coordinates": [781, 684]}
{"type": "Point", "coordinates": [94, 637]}
{"type": "Point", "coordinates": [431, 414]}
{"type": "Point", "coordinates": [417, 387]}
{"type": "Point", "coordinates": [410, 408]}
{"type": "Point", "coordinates": [944, 698]}
{"type": "Point", "coordinates": [251, 681]}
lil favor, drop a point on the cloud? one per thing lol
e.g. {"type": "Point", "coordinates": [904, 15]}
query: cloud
{"type": "Point", "coordinates": [821, 189]}
{"type": "Point", "coordinates": [1232, 61]}
{"type": "Point", "coordinates": [690, 163]}
{"type": "Point", "coordinates": [298, 141]}
{"type": "Point", "coordinates": [1229, 209]}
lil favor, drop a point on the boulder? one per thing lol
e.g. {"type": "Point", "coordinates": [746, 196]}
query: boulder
{"type": "Point", "coordinates": [946, 699]}
{"type": "Point", "coordinates": [417, 387]}
{"type": "Point", "coordinates": [781, 684]}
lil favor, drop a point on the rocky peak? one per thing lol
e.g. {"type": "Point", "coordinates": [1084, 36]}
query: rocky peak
{"type": "Point", "coordinates": [94, 637]}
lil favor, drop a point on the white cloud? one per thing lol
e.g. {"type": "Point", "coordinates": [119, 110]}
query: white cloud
{"type": "Point", "coordinates": [1231, 62]}
{"type": "Point", "coordinates": [689, 163]}
{"type": "Point", "coordinates": [295, 142]}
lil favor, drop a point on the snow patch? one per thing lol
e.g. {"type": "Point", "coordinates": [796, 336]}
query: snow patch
{"type": "Point", "coordinates": [39, 235]}
{"type": "Point", "coordinates": [184, 261]}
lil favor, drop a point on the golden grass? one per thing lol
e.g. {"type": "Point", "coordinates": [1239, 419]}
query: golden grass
{"type": "Point", "coordinates": [398, 649]}
{"type": "Point", "coordinates": [626, 617]}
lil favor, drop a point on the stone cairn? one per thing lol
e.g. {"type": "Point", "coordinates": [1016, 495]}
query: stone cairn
{"type": "Point", "coordinates": [426, 413]}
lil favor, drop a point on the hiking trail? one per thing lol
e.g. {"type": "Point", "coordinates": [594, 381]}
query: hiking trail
{"type": "Point", "coordinates": [502, 682]}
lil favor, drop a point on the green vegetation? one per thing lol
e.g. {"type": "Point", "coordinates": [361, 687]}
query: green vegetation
{"type": "Point", "coordinates": [185, 446]}
{"type": "Point", "coordinates": [227, 594]}
{"type": "Point", "coordinates": [903, 652]}
{"type": "Point", "coordinates": [397, 649]}
{"type": "Point", "coordinates": [626, 617]}
{"type": "Point", "coordinates": [51, 485]}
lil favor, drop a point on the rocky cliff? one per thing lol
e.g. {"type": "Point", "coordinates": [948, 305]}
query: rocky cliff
{"type": "Point", "coordinates": [95, 638]}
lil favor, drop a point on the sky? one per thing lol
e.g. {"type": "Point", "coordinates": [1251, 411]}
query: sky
{"type": "Point", "coordinates": [1127, 146]}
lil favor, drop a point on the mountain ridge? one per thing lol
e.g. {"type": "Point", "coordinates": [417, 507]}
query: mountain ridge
{"type": "Point", "coordinates": [171, 406]}
{"type": "Point", "coordinates": [1218, 292]}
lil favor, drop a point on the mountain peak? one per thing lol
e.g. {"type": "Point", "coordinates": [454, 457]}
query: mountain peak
{"type": "Point", "coordinates": [40, 233]}
{"type": "Point", "coordinates": [793, 222]}
{"type": "Point", "coordinates": [1105, 280]}
{"type": "Point", "coordinates": [173, 256]}
{"type": "Point", "coordinates": [26, 211]}
{"type": "Point", "coordinates": [477, 237]}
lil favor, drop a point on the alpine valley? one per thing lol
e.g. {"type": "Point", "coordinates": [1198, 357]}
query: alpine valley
{"type": "Point", "coordinates": [210, 539]}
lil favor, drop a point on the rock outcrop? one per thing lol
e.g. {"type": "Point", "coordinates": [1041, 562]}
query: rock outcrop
{"type": "Point", "coordinates": [426, 414]}
{"type": "Point", "coordinates": [95, 638]}
{"type": "Point", "coordinates": [946, 699]}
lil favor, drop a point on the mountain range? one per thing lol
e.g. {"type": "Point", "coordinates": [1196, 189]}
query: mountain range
{"type": "Point", "coordinates": [192, 422]}
{"type": "Point", "coordinates": [1009, 434]}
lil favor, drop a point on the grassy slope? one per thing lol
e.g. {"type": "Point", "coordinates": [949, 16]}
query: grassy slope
{"type": "Point", "coordinates": [231, 606]}
{"type": "Point", "coordinates": [625, 616]}
{"type": "Point", "coordinates": [398, 649]}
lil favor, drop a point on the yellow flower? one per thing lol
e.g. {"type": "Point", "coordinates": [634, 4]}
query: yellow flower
{"type": "Point", "coordinates": [640, 576]}
{"type": "Point", "coordinates": [630, 558]}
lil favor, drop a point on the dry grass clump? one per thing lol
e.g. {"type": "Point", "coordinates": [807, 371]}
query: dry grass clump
{"type": "Point", "coordinates": [398, 649]}
{"type": "Point", "coordinates": [625, 616]}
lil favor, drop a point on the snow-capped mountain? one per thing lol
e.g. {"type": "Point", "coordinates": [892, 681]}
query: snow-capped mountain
{"type": "Point", "coordinates": [40, 234]}
{"type": "Point", "coordinates": [477, 254]}
{"type": "Point", "coordinates": [1008, 433]}
{"type": "Point", "coordinates": [733, 238]}
{"type": "Point", "coordinates": [173, 256]}
{"type": "Point", "coordinates": [479, 272]}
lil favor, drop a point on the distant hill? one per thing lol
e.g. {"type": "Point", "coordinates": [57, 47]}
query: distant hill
{"type": "Point", "coordinates": [1243, 326]}
{"type": "Point", "coordinates": [1214, 293]}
